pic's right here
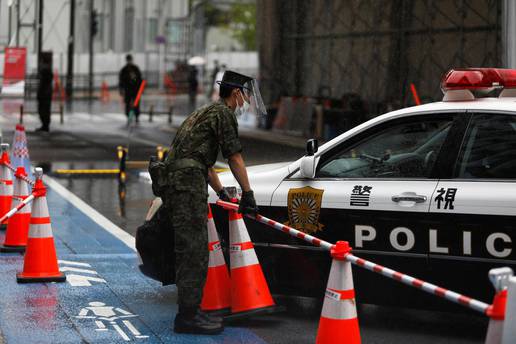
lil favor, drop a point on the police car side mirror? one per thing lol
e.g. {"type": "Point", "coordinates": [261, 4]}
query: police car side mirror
{"type": "Point", "coordinates": [307, 166]}
{"type": "Point", "coordinates": [311, 147]}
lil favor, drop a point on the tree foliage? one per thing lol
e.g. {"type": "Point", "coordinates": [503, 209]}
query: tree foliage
{"type": "Point", "coordinates": [242, 24]}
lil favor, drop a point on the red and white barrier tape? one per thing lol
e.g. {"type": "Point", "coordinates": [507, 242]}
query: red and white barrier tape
{"type": "Point", "coordinates": [18, 207]}
{"type": "Point", "coordinates": [473, 304]}
{"type": "Point", "coordinates": [279, 226]}
{"type": "Point", "coordinates": [27, 179]}
{"type": "Point", "coordinates": [419, 284]}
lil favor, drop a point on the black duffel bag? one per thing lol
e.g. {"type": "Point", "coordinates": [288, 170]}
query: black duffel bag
{"type": "Point", "coordinates": [155, 244]}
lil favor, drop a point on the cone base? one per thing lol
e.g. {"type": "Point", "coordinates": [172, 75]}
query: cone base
{"type": "Point", "coordinates": [20, 278]}
{"type": "Point", "coordinates": [9, 249]}
{"type": "Point", "coordinates": [254, 312]}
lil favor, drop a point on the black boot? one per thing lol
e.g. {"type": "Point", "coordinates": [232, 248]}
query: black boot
{"type": "Point", "coordinates": [211, 317]}
{"type": "Point", "coordinates": [196, 322]}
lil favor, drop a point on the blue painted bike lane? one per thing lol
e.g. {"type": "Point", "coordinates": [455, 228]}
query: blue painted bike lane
{"type": "Point", "coordinates": [105, 298]}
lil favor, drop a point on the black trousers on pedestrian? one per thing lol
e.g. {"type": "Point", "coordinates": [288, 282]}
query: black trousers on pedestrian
{"type": "Point", "coordinates": [44, 106]}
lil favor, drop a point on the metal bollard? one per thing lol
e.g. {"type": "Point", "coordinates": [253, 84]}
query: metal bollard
{"type": "Point", "coordinates": [21, 114]}
{"type": "Point", "coordinates": [61, 114]}
{"type": "Point", "coordinates": [509, 326]}
{"type": "Point", "coordinates": [151, 112]}
{"type": "Point", "coordinates": [122, 157]}
{"type": "Point", "coordinates": [160, 153]}
{"type": "Point", "coordinates": [170, 110]}
{"type": "Point", "coordinates": [500, 279]}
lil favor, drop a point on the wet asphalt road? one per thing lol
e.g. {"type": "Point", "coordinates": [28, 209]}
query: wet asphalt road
{"type": "Point", "coordinates": [88, 139]}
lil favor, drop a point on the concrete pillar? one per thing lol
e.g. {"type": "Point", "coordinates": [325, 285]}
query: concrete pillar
{"type": "Point", "coordinates": [509, 33]}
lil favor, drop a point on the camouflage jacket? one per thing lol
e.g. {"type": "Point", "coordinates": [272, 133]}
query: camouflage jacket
{"type": "Point", "coordinates": [203, 132]}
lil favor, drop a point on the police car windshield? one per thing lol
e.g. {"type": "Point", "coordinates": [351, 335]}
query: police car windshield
{"type": "Point", "coordinates": [405, 150]}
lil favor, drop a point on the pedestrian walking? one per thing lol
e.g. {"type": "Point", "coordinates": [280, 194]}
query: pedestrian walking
{"type": "Point", "coordinates": [44, 93]}
{"type": "Point", "coordinates": [216, 87]}
{"type": "Point", "coordinates": [129, 81]}
{"type": "Point", "coordinates": [193, 84]}
{"type": "Point", "coordinates": [189, 170]}
{"type": "Point", "coordinates": [214, 73]}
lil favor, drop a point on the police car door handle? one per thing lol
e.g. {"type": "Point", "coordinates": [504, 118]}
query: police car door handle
{"type": "Point", "coordinates": [409, 197]}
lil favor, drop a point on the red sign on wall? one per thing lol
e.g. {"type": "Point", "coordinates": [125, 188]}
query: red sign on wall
{"type": "Point", "coordinates": [14, 71]}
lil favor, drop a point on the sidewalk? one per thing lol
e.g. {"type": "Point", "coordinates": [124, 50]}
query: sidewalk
{"type": "Point", "coordinates": [105, 298]}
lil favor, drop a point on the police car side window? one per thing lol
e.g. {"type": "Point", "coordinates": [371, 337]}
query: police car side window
{"type": "Point", "coordinates": [406, 149]}
{"type": "Point", "coordinates": [489, 149]}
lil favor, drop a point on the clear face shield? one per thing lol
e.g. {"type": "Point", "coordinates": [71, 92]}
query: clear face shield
{"type": "Point", "coordinates": [253, 98]}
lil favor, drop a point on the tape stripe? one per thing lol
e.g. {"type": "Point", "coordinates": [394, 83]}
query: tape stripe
{"type": "Point", "coordinates": [38, 231]}
{"type": "Point", "coordinates": [240, 259]}
{"type": "Point", "coordinates": [39, 220]}
{"type": "Point", "coordinates": [241, 246]}
{"type": "Point", "coordinates": [216, 259]}
{"type": "Point", "coordinates": [344, 294]}
{"type": "Point", "coordinates": [214, 246]}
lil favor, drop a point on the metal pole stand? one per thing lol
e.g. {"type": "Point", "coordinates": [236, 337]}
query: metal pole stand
{"type": "Point", "coordinates": [500, 279]}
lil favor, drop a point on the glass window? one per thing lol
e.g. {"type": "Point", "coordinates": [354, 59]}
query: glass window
{"type": "Point", "coordinates": [402, 150]}
{"type": "Point", "coordinates": [129, 26]}
{"type": "Point", "coordinates": [489, 150]}
{"type": "Point", "coordinates": [153, 30]}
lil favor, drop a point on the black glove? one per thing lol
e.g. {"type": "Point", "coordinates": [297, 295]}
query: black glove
{"type": "Point", "coordinates": [248, 203]}
{"type": "Point", "coordinates": [224, 195]}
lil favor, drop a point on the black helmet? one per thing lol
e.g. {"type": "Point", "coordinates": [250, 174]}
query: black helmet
{"type": "Point", "coordinates": [234, 80]}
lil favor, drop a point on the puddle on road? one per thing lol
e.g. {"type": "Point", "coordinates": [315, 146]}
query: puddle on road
{"type": "Point", "coordinates": [125, 204]}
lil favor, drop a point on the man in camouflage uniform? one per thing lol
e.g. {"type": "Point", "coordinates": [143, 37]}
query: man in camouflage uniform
{"type": "Point", "coordinates": [189, 168]}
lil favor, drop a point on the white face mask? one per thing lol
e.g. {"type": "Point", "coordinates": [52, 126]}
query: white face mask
{"type": "Point", "coordinates": [240, 110]}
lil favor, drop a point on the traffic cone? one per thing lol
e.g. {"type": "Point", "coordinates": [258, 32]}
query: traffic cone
{"type": "Point", "coordinates": [216, 293]}
{"type": "Point", "coordinates": [104, 94]}
{"type": "Point", "coordinates": [18, 225]}
{"type": "Point", "coordinates": [339, 323]}
{"type": "Point", "coordinates": [40, 263]}
{"type": "Point", "coordinates": [6, 183]}
{"type": "Point", "coordinates": [249, 290]}
{"type": "Point", "coordinates": [20, 151]}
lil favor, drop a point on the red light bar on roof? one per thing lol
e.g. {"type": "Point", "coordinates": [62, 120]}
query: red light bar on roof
{"type": "Point", "coordinates": [478, 78]}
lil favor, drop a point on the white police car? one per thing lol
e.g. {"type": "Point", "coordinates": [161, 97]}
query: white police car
{"type": "Point", "coordinates": [428, 190]}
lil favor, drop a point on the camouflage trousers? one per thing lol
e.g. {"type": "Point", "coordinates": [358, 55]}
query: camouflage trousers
{"type": "Point", "coordinates": [186, 199]}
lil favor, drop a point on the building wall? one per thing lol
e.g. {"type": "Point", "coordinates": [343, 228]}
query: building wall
{"type": "Point", "coordinates": [124, 26]}
{"type": "Point", "coordinates": [374, 48]}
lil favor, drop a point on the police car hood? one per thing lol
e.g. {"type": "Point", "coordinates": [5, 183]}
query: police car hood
{"type": "Point", "coordinates": [264, 180]}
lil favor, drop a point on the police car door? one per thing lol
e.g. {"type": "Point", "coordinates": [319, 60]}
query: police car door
{"type": "Point", "coordinates": [373, 190]}
{"type": "Point", "coordinates": [475, 208]}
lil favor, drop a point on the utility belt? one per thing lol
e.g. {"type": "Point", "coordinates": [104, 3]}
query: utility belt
{"type": "Point", "coordinates": [159, 172]}
{"type": "Point", "coordinates": [181, 164]}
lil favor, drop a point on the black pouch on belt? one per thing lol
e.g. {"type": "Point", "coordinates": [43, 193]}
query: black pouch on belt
{"type": "Point", "coordinates": [158, 176]}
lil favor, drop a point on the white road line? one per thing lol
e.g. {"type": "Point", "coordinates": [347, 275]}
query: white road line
{"type": "Point", "coordinates": [131, 328]}
{"type": "Point", "coordinates": [69, 262]}
{"type": "Point", "coordinates": [86, 271]}
{"type": "Point", "coordinates": [100, 219]}
{"type": "Point", "coordinates": [100, 325]}
{"type": "Point", "coordinates": [121, 333]}
{"type": "Point", "coordinates": [82, 281]}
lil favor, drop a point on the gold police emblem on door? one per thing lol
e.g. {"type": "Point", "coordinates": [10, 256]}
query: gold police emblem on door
{"type": "Point", "coordinates": [304, 208]}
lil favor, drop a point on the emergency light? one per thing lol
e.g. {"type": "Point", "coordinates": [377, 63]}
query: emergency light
{"type": "Point", "coordinates": [457, 84]}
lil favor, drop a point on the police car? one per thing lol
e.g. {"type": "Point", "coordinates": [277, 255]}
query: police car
{"type": "Point", "coordinates": [428, 190]}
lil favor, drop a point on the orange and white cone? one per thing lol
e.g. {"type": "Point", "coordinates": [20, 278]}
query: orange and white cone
{"type": "Point", "coordinates": [18, 225]}
{"type": "Point", "coordinates": [339, 322]}
{"type": "Point", "coordinates": [6, 183]}
{"type": "Point", "coordinates": [216, 293]}
{"type": "Point", "coordinates": [249, 290]}
{"type": "Point", "coordinates": [40, 263]}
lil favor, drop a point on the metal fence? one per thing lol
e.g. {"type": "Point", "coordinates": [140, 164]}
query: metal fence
{"type": "Point", "coordinates": [373, 48]}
